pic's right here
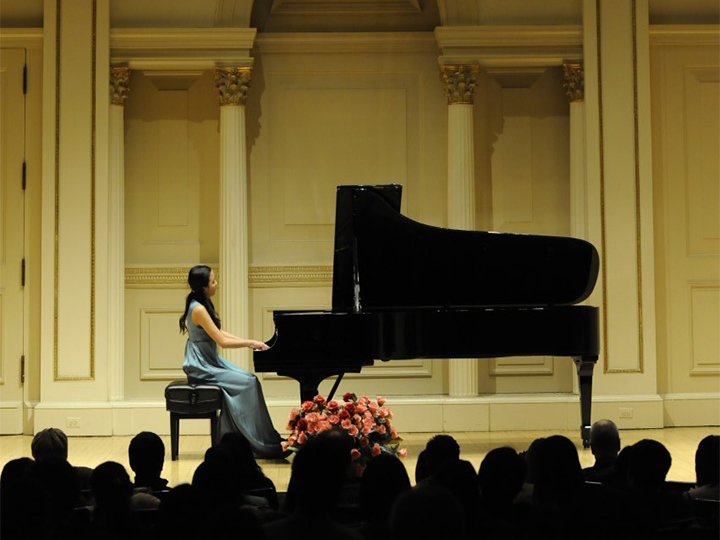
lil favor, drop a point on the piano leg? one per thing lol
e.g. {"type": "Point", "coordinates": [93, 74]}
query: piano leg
{"type": "Point", "coordinates": [309, 383]}
{"type": "Point", "coordinates": [585, 365]}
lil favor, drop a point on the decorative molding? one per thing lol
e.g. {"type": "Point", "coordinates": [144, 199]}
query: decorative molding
{"type": "Point", "coordinates": [511, 46]}
{"type": "Point", "coordinates": [119, 85]}
{"type": "Point", "coordinates": [355, 42]}
{"type": "Point", "coordinates": [574, 82]}
{"type": "Point", "coordinates": [345, 7]}
{"type": "Point", "coordinates": [181, 49]}
{"type": "Point", "coordinates": [518, 366]}
{"type": "Point", "coordinates": [679, 34]}
{"type": "Point", "coordinates": [258, 276]}
{"type": "Point", "coordinates": [603, 219]}
{"type": "Point", "coordinates": [30, 38]}
{"type": "Point", "coordinates": [2, 349]}
{"type": "Point", "coordinates": [147, 372]}
{"type": "Point", "coordinates": [290, 276]}
{"type": "Point", "coordinates": [233, 84]}
{"type": "Point", "coordinates": [459, 82]}
{"type": "Point", "coordinates": [93, 121]}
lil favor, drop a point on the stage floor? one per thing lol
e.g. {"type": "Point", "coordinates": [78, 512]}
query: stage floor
{"type": "Point", "coordinates": [91, 451]}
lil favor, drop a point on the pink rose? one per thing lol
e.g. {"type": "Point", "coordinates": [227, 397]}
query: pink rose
{"type": "Point", "coordinates": [307, 406]}
{"type": "Point", "coordinates": [302, 438]}
{"type": "Point", "coordinates": [324, 426]}
{"type": "Point", "coordinates": [376, 450]}
{"type": "Point", "coordinates": [384, 412]}
{"type": "Point", "coordinates": [294, 413]}
{"type": "Point", "coordinates": [291, 440]}
{"type": "Point", "coordinates": [402, 453]}
{"type": "Point", "coordinates": [393, 433]}
{"type": "Point", "coordinates": [354, 454]}
{"type": "Point", "coordinates": [343, 414]}
{"type": "Point", "coordinates": [346, 424]}
{"type": "Point", "coordinates": [360, 408]}
{"type": "Point", "coordinates": [373, 407]}
{"type": "Point", "coordinates": [357, 419]}
{"type": "Point", "coordinates": [350, 408]}
{"type": "Point", "coordinates": [311, 417]}
{"type": "Point", "coordinates": [333, 419]}
{"type": "Point", "coordinates": [366, 430]}
{"type": "Point", "coordinates": [364, 400]}
{"type": "Point", "coordinates": [302, 424]}
{"type": "Point", "coordinates": [381, 430]}
{"type": "Point", "coordinates": [320, 399]}
{"type": "Point", "coordinates": [333, 406]}
{"type": "Point", "coordinates": [381, 400]}
{"type": "Point", "coordinates": [349, 396]}
{"type": "Point", "coordinates": [284, 445]}
{"type": "Point", "coordinates": [353, 431]}
{"type": "Point", "coordinates": [364, 441]}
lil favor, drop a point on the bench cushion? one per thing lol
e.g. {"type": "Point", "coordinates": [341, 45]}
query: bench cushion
{"type": "Point", "coordinates": [186, 398]}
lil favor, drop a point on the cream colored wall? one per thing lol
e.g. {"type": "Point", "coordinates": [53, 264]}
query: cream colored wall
{"type": "Point", "coordinates": [523, 179]}
{"type": "Point", "coordinates": [171, 216]}
{"type": "Point", "coordinates": [686, 166]}
{"type": "Point", "coordinates": [297, 152]}
{"type": "Point", "coordinates": [321, 115]}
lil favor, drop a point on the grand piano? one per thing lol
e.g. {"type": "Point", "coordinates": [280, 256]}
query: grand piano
{"type": "Point", "coordinates": [403, 289]}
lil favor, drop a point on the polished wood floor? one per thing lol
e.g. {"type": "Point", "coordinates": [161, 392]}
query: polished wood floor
{"type": "Point", "coordinates": [91, 451]}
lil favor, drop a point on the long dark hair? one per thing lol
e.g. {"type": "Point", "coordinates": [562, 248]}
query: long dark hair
{"type": "Point", "coordinates": [198, 279]}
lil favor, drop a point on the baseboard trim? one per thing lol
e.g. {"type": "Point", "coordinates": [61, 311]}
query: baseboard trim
{"type": "Point", "coordinates": [417, 414]}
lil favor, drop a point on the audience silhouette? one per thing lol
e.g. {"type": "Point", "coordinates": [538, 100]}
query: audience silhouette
{"type": "Point", "coordinates": [541, 493]}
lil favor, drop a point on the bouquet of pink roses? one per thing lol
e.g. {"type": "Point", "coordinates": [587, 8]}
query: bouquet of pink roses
{"type": "Point", "coordinates": [367, 422]}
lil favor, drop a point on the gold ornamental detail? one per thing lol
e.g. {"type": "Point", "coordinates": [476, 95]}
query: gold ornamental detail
{"type": "Point", "coordinates": [574, 82]}
{"type": "Point", "coordinates": [459, 81]}
{"type": "Point", "coordinates": [119, 85]}
{"type": "Point", "coordinates": [233, 84]}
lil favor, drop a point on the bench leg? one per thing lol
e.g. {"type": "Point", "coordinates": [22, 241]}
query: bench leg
{"type": "Point", "coordinates": [214, 421]}
{"type": "Point", "coordinates": [174, 435]}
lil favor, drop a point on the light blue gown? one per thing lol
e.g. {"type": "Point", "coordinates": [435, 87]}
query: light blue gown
{"type": "Point", "coordinates": [244, 407]}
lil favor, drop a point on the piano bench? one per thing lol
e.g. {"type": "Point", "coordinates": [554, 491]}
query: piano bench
{"type": "Point", "coordinates": [192, 400]}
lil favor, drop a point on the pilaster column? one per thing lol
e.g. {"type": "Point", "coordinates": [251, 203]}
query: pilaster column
{"type": "Point", "coordinates": [574, 84]}
{"type": "Point", "coordinates": [119, 87]}
{"type": "Point", "coordinates": [232, 84]}
{"type": "Point", "coordinates": [459, 84]}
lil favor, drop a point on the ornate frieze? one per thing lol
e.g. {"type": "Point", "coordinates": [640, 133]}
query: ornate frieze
{"type": "Point", "coordinates": [459, 82]}
{"type": "Point", "coordinates": [233, 84]}
{"type": "Point", "coordinates": [574, 81]}
{"type": "Point", "coordinates": [119, 85]}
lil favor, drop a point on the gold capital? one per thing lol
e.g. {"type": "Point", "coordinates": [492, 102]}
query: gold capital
{"type": "Point", "coordinates": [459, 82]}
{"type": "Point", "coordinates": [119, 85]}
{"type": "Point", "coordinates": [233, 84]}
{"type": "Point", "coordinates": [574, 82]}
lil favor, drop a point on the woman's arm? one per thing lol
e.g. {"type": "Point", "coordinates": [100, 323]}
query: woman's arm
{"type": "Point", "coordinates": [201, 317]}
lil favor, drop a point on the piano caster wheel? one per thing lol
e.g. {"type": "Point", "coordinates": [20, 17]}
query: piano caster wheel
{"type": "Point", "coordinates": [586, 443]}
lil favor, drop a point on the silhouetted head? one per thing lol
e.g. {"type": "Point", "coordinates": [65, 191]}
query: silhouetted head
{"type": "Point", "coordinates": [427, 511]}
{"type": "Point", "coordinates": [14, 471]}
{"type": "Point", "coordinates": [383, 480]}
{"type": "Point", "coordinates": [440, 449]}
{"type": "Point", "coordinates": [531, 459]}
{"type": "Point", "coordinates": [604, 439]}
{"type": "Point", "coordinates": [559, 474]}
{"type": "Point", "coordinates": [649, 464]}
{"type": "Point", "coordinates": [501, 475]}
{"type": "Point", "coordinates": [319, 467]}
{"type": "Point", "coordinates": [49, 442]}
{"type": "Point", "coordinates": [111, 488]}
{"type": "Point", "coordinates": [707, 461]}
{"type": "Point", "coordinates": [147, 455]}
